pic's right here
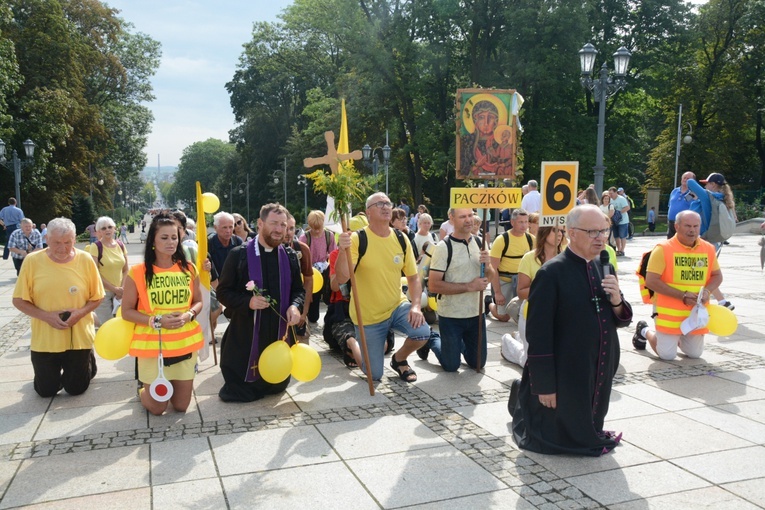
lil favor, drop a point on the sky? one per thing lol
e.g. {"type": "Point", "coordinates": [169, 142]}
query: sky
{"type": "Point", "coordinates": [201, 45]}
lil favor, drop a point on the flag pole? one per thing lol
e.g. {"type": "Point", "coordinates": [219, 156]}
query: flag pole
{"type": "Point", "coordinates": [481, 316]}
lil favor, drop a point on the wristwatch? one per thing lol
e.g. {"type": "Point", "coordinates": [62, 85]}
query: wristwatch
{"type": "Point", "coordinates": [193, 314]}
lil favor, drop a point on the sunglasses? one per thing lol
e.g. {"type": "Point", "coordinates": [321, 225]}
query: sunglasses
{"type": "Point", "coordinates": [238, 222]}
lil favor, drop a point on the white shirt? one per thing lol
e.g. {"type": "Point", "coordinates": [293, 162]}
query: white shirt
{"type": "Point", "coordinates": [532, 202]}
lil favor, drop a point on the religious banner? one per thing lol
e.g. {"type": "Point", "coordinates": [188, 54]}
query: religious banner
{"type": "Point", "coordinates": [559, 181]}
{"type": "Point", "coordinates": [487, 123]}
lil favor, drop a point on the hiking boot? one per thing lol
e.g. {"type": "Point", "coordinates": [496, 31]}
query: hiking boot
{"type": "Point", "coordinates": [729, 306]}
{"type": "Point", "coordinates": [638, 340]}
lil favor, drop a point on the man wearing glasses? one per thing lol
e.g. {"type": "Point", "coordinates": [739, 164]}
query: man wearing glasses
{"type": "Point", "coordinates": [575, 306]}
{"type": "Point", "coordinates": [378, 284]}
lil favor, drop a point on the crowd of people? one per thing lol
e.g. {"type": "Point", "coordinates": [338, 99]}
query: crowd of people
{"type": "Point", "coordinates": [558, 283]}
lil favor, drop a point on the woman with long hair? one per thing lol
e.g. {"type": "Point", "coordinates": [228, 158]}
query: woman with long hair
{"type": "Point", "coordinates": [241, 228]}
{"type": "Point", "coordinates": [162, 297]}
{"type": "Point", "coordinates": [112, 263]}
{"type": "Point", "coordinates": [549, 245]}
{"type": "Point", "coordinates": [715, 186]}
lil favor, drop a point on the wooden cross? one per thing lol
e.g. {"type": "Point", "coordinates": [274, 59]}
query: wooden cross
{"type": "Point", "coordinates": [332, 157]}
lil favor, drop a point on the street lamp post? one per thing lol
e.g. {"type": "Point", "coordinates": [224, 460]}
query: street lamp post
{"type": "Point", "coordinates": [90, 178]}
{"type": "Point", "coordinates": [602, 88]}
{"type": "Point", "coordinates": [29, 150]}
{"type": "Point", "coordinates": [368, 153]}
{"type": "Point", "coordinates": [686, 139]}
{"type": "Point", "coordinates": [283, 174]}
{"type": "Point", "coordinates": [246, 191]}
{"type": "Point", "coordinates": [302, 181]}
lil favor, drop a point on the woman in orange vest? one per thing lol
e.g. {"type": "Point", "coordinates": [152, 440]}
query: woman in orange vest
{"type": "Point", "coordinates": [162, 297]}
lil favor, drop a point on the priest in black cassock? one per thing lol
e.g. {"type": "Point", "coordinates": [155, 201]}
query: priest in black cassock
{"type": "Point", "coordinates": [254, 323]}
{"type": "Point", "coordinates": [560, 404]}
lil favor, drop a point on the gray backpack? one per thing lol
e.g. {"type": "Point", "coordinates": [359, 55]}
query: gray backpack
{"type": "Point", "coordinates": [722, 223]}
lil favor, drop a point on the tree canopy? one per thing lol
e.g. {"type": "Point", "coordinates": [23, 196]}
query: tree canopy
{"type": "Point", "coordinates": [74, 78]}
{"type": "Point", "coordinates": [398, 64]}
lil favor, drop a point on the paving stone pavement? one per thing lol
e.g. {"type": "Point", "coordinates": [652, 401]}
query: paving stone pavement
{"type": "Point", "coordinates": [693, 430]}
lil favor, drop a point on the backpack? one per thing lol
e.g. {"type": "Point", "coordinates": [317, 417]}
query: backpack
{"type": "Point", "coordinates": [100, 247]}
{"type": "Point", "coordinates": [363, 242]}
{"type": "Point", "coordinates": [645, 293]}
{"type": "Point", "coordinates": [326, 237]}
{"type": "Point", "coordinates": [448, 242]}
{"type": "Point", "coordinates": [506, 236]}
{"type": "Point", "coordinates": [345, 288]}
{"type": "Point", "coordinates": [721, 224]}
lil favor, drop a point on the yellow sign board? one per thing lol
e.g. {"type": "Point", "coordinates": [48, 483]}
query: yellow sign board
{"type": "Point", "coordinates": [559, 185]}
{"type": "Point", "coordinates": [485, 198]}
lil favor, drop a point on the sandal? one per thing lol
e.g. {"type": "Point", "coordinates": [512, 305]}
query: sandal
{"type": "Point", "coordinates": [405, 375]}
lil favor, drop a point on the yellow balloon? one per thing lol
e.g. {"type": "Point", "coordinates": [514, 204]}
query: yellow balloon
{"type": "Point", "coordinates": [113, 338]}
{"type": "Point", "coordinates": [210, 202]}
{"type": "Point", "coordinates": [318, 281]}
{"type": "Point", "coordinates": [119, 312]}
{"type": "Point", "coordinates": [275, 363]}
{"type": "Point", "coordinates": [526, 310]}
{"type": "Point", "coordinates": [433, 303]}
{"type": "Point", "coordinates": [306, 362]}
{"type": "Point", "coordinates": [722, 322]}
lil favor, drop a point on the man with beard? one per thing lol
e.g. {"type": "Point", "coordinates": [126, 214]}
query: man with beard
{"type": "Point", "coordinates": [560, 405]}
{"type": "Point", "coordinates": [261, 316]}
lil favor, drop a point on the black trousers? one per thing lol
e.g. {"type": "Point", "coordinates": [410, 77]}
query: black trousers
{"type": "Point", "coordinates": [71, 370]}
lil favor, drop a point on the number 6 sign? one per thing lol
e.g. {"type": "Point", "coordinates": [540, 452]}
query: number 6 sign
{"type": "Point", "coordinates": [559, 184]}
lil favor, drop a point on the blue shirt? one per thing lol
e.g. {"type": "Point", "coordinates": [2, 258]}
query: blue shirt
{"type": "Point", "coordinates": [702, 204]}
{"type": "Point", "coordinates": [11, 215]}
{"type": "Point", "coordinates": [677, 202]}
{"type": "Point", "coordinates": [651, 216]}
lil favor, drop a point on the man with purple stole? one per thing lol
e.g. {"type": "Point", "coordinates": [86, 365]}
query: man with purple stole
{"type": "Point", "coordinates": [262, 315]}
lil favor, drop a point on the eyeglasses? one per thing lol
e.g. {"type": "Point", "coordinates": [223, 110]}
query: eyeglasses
{"type": "Point", "coordinates": [382, 205]}
{"type": "Point", "coordinates": [107, 228]}
{"type": "Point", "coordinates": [594, 234]}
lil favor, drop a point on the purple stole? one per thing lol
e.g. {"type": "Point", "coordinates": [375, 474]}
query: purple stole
{"type": "Point", "coordinates": [285, 285]}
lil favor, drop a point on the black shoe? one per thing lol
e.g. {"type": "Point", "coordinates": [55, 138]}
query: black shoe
{"type": "Point", "coordinates": [486, 302]}
{"type": "Point", "coordinates": [729, 306]}
{"type": "Point", "coordinates": [423, 351]}
{"type": "Point", "coordinates": [638, 340]}
{"type": "Point", "coordinates": [515, 387]}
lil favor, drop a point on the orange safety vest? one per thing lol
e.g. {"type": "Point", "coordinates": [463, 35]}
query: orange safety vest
{"type": "Point", "coordinates": [685, 269]}
{"type": "Point", "coordinates": [171, 291]}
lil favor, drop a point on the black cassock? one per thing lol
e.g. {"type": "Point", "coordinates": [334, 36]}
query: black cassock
{"type": "Point", "coordinates": [573, 352]}
{"type": "Point", "coordinates": [237, 340]}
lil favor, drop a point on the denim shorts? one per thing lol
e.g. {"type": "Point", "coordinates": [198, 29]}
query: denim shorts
{"type": "Point", "coordinates": [622, 231]}
{"type": "Point", "coordinates": [377, 334]}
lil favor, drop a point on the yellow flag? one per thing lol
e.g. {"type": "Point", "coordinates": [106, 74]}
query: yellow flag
{"type": "Point", "coordinates": [204, 276]}
{"type": "Point", "coordinates": [342, 143]}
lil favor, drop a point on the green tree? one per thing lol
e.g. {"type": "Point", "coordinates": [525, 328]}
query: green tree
{"type": "Point", "coordinates": [203, 162]}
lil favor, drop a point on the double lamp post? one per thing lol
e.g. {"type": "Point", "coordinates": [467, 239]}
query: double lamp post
{"type": "Point", "coordinates": [602, 87]}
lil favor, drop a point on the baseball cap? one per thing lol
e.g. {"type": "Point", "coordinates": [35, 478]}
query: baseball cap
{"type": "Point", "coordinates": [715, 178]}
{"type": "Point", "coordinates": [620, 190]}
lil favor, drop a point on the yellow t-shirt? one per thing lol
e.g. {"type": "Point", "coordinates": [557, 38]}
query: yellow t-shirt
{"type": "Point", "coordinates": [378, 277]}
{"type": "Point", "coordinates": [529, 265]}
{"type": "Point", "coordinates": [512, 259]}
{"type": "Point", "coordinates": [53, 287]}
{"type": "Point", "coordinates": [113, 260]}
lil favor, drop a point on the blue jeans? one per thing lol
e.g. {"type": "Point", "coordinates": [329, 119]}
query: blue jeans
{"type": "Point", "coordinates": [377, 334]}
{"type": "Point", "coordinates": [459, 337]}
{"type": "Point", "coordinates": [8, 231]}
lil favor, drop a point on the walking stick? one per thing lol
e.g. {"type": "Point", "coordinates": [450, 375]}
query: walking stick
{"type": "Point", "coordinates": [362, 336]}
{"type": "Point", "coordinates": [481, 316]}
